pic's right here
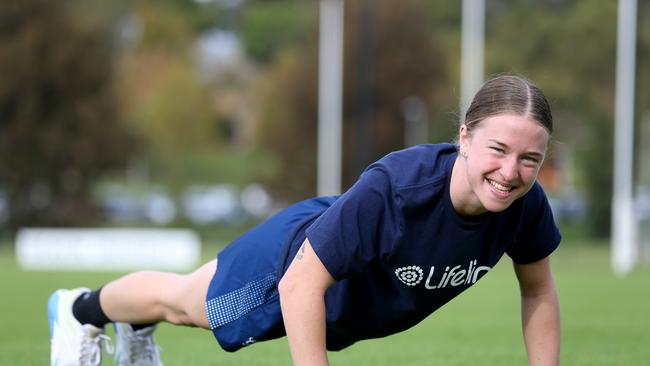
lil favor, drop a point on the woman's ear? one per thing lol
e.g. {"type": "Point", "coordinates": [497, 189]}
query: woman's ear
{"type": "Point", "coordinates": [463, 140]}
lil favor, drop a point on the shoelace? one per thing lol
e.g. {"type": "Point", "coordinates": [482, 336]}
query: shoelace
{"type": "Point", "coordinates": [91, 350]}
{"type": "Point", "coordinates": [142, 348]}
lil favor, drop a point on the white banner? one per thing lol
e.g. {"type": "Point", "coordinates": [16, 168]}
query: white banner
{"type": "Point", "coordinates": [44, 249]}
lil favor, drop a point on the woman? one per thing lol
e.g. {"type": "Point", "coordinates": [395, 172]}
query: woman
{"type": "Point", "coordinates": [420, 226]}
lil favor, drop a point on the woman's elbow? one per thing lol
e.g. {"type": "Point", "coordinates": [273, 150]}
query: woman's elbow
{"type": "Point", "coordinates": [286, 286]}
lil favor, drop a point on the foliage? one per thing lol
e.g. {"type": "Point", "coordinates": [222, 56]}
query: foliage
{"type": "Point", "coordinates": [269, 26]}
{"type": "Point", "coordinates": [211, 165]}
{"type": "Point", "coordinates": [178, 114]}
{"type": "Point", "coordinates": [381, 43]}
{"type": "Point", "coordinates": [167, 101]}
{"type": "Point", "coordinates": [163, 27]}
{"type": "Point", "coordinates": [60, 125]}
{"type": "Point", "coordinates": [643, 95]}
{"type": "Point", "coordinates": [59, 85]}
{"type": "Point", "coordinates": [287, 125]}
{"type": "Point", "coordinates": [568, 48]}
{"type": "Point", "coordinates": [598, 164]}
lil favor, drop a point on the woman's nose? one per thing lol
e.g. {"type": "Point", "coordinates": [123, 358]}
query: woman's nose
{"type": "Point", "coordinates": [510, 169]}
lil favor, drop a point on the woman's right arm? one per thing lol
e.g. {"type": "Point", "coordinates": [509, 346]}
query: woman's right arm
{"type": "Point", "coordinates": [302, 298]}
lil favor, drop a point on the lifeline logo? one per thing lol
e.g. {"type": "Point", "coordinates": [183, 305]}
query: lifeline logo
{"type": "Point", "coordinates": [413, 275]}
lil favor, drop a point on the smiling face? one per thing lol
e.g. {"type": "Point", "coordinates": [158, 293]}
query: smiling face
{"type": "Point", "coordinates": [498, 163]}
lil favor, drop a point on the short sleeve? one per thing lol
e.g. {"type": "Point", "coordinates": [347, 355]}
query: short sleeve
{"type": "Point", "coordinates": [359, 227]}
{"type": "Point", "coordinates": [538, 235]}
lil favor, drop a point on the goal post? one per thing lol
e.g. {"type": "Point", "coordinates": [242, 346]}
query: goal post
{"type": "Point", "coordinates": [624, 220]}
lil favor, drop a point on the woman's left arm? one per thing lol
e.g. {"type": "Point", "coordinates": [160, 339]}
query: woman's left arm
{"type": "Point", "coordinates": [540, 312]}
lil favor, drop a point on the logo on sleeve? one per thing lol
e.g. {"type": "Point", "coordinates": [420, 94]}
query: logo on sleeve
{"type": "Point", "coordinates": [411, 275]}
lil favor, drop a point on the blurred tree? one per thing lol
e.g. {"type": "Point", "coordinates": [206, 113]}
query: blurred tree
{"type": "Point", "coordinates": [288, 121]}
{"type": "Point", "coordinates": [598, 165]}
{"type": "Point", "coordinates": [643, 95]}
{"type": "Point", "coordinates": [165, 26]}
{"type": "Point", "coordinates": [60, 126]}
{"type": "Point", "coordinates": [389, 55]}
{"type": "Point", "coordinates": [569, 49]}
{"type": "Point", "coordinates": [268, 26]}
{"type": "Point", "coordinates": [176, 112]}
{"type": "Point", "coordinates": [165, 98]}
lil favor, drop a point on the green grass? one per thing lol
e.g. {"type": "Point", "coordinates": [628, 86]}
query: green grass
{"type": "Point", "coordinates": [605, 321]}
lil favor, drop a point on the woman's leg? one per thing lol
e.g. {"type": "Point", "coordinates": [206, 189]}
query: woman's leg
{"type": "Point", "coordinates": [149, 297]}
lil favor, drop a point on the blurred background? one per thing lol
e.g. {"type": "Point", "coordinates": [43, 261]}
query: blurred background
{"type": "Point", "coordinates": [203, 114]}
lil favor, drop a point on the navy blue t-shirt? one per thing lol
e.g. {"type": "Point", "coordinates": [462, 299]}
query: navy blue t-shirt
{"type": "Point", "coordinates": [399, 250]}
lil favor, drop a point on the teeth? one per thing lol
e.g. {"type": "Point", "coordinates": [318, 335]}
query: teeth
{"type": "Point", "coordinates": [498, 186]}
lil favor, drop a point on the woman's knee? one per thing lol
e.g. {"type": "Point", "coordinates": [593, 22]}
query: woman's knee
{"type": "Point", "coordinates": [199, 282]}
{"type": "Point", "coordinates": [172, 299]}
{"type": "Point", "coordinates": [185, 300]}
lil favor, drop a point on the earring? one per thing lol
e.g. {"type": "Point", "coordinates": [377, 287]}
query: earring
{"type": "Point", "coordinates": [463, 154]}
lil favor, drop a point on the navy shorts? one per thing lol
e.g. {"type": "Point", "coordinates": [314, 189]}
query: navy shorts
{"type": "Point", "coordinates": [242, 303]}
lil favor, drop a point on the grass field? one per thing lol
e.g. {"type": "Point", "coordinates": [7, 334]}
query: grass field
{"type": "Point", "coordinates": [605, 321]}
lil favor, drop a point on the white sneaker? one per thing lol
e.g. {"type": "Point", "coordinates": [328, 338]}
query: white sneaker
{"type": "Point", "coordinates": [136, 348]}
{"type": "Point", "coordinates": [73, 343]}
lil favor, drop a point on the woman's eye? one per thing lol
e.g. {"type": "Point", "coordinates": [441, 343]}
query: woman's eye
{"type": "Point", "coordinates": [531, 159]}
{"type": "Point", "coordinates": [498, 149]}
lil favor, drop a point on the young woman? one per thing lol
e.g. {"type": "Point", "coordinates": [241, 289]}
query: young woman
{"type": "Point", "coordinates": [419, 227]}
